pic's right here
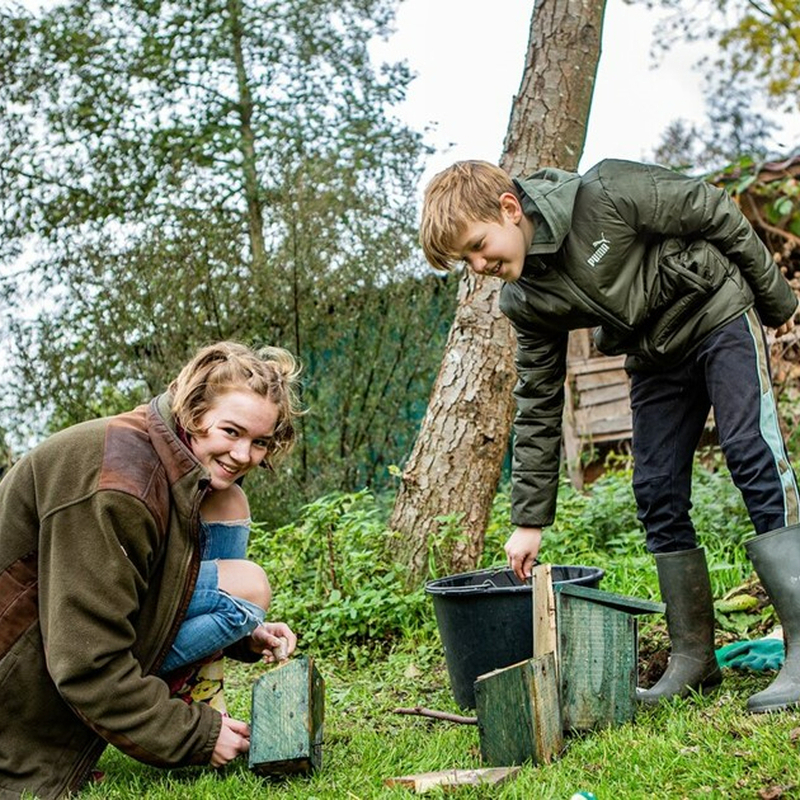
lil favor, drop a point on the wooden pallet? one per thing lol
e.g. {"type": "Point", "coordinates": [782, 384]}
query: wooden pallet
{"type": "Point", "coordinates": [596, 407]}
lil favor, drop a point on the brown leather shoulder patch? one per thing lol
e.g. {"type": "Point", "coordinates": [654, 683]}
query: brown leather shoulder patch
{"type": "Point", "coordinates": [131, 465]}
{"type": "Point", "coordinates": [19, 607]}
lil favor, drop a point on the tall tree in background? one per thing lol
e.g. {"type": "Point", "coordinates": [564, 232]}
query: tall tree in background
{"type": "Point", "coordinates": [757, 58]}
{"type": "Point", "coordinates": [757, 41]}
{"type": "Point", "coordinates": [733, 129]}
{"type": "Point", "coordinates": [182, 172]}
{"type": "Point", "coordinates": [456, 463]}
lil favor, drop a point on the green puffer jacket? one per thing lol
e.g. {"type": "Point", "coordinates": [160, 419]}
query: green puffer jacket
{"type": "Point", "coordinates": [98, 560]}
{"type": "Point", "coordinates": [651, 259]}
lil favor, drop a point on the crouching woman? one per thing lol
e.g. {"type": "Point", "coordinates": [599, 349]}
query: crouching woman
{"type": "Point", "coordinates": [122, 564]}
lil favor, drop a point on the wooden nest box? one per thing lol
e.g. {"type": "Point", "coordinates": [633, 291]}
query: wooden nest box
{"type": "Point", "coordinates": [598, 654]}
{"type": "Point", "coordinates": [582, 676]}
{"type": "Point", "coordinates": [286, 719]}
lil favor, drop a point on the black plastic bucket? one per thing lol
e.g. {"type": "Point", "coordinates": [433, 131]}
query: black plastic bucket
{"type": "Point", "coordinates": [485, 621]}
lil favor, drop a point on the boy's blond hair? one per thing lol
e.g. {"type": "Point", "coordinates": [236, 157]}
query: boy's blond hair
{"type": "Point", "coordinates": [467, 191]}
{"type": "Point", "coordinates": [270, 372]}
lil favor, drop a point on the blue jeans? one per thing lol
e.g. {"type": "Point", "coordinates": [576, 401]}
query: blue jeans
{"type": "Point", "coordinates": [729, 372]}
{"type": "Point", "coordinates": [215, 619]}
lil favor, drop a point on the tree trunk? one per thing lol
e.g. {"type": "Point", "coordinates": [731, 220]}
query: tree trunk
{"type": "Point", "coordinates": [455, 466]}
{"type": "Point", "coordinates": [255, 216]}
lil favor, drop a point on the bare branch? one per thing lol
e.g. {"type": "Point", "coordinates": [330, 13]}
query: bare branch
{"type": "Point", "coordinates": [444, 715]}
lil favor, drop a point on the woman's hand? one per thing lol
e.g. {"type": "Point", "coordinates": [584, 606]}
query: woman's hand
{"type": "Point", "coordinates": [274, 640]}
{"type": "Point", "coordinates": [233, 741]}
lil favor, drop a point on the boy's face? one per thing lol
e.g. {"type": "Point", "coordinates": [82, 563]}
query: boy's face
{"type": "Point", "coordinates": [497, 248]}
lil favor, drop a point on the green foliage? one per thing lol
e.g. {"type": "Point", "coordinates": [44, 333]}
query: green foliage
{"type": "Point", "coordinates": [757, 55]}
{"type": "Point", "coordinates": [760, 40]}
{"type": "Point", "coordinates": [702, 747]}
{"type": "Point", "coordinates": [340, 551]}
{"type": "Point", "coordinates": [6, 453]}
{"type": "Point", "coordinates": [598, 527]}
{"type": "Point", "coordinates": [782, 204]}
{"type": "Point", "coordinates": [185, 182]}
{"type": "Point", "coordinates": [789, 408]}
{"type": "Point", "coordinates": [733, 128]}
{"type": "Point", "coordinates": [778, 200]}
{"type": "Point", "coordinates": [334, 578]}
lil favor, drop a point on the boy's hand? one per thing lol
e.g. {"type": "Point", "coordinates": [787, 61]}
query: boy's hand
{"type": "Point", "coordinates": [787, 326]}
{"type": "Point", "coordinates": [274, 640]}
{"type": "Point", "coordinates": [522, 548]}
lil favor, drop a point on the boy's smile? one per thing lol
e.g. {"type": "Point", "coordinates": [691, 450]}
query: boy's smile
{"type": "Point", "coordinates": [497, 249]}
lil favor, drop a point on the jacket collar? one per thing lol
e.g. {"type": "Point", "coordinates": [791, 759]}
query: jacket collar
{"type": "Point", "coordinates": [177, 458]}
{"type": "Point", "coordinates": [548, 197]}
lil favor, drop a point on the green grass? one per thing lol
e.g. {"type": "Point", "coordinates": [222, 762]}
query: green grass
{"type": "Point", "coordinates": [377, 648]}
{"type": "Point", "coordinates": [700, 747]}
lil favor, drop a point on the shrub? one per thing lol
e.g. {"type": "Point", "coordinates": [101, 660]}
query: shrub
{"type": "Point", "coordinates": [337, 583]}
{"type": "Point", "coordinates": [334, 578]}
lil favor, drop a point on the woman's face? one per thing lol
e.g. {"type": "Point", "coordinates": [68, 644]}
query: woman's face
{"type": "Point", "coordinates": [238, 427]}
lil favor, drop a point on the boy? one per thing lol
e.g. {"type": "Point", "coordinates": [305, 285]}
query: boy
{"type": "Point", "coordinates": [668, 271]}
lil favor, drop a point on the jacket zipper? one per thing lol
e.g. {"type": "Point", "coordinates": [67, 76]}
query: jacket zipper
{"type": "Point", "coordinates": [193, 567]}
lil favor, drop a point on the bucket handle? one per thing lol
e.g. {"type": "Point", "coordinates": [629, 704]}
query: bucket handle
{"type": "Point", "coordinates": [472, 587]}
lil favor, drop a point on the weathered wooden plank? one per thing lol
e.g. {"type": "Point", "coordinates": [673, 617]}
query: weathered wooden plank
{"type": "Point", "coordinates": [597, 364]}
{"type": "Point", "coordinates": [591, 380]}
{"type": "Point", "coordinates": [453, 778]}
{"type": "Point", "coordinates": [570, 439]}
{"type": "Point", "coordinates": [619, 410]}
{"type": "Point", "coordinates": [545, 638]}
{"type": "Point", "coordinates": [594, 437]}
{"type": "Point", "coordinates": [519, 717]}
{"type": "Point", "coordinates": [610, 393]}
{"type": "Point", "coordinates": [621, 602]}
{"type": "Point", "coordinates": [579, 346]}
{"type": "Point", "coordinates": [596, 426]}
{"type": "Point", "coordinates": [598, 663]}
{"type": "Point", "coordinates": [286, 723]}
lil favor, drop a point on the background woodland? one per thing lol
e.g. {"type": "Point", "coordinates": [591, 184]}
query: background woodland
{"type": "Point", "coordinates": [172, 174]}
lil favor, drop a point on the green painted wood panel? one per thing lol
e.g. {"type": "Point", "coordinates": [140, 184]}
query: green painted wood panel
{"type": "Point", "coordinates": [622, 602]}
{"type": "Point", "coordinates": [598, 653]}
{"type": "Point", "coordinates": [288, 707]}
{"type": "Point", "coordinates": [518, 713]}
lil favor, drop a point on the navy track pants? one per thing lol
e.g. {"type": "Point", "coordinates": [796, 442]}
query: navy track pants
{"type": "Point", "coordinates": [729, 372]}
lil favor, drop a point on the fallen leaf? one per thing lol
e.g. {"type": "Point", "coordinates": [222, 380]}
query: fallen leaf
{"type": "Point", "coordinates": [773, 792]}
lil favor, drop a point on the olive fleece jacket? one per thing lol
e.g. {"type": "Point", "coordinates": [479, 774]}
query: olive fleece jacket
{"type": "Point", "coordinates": [653, 260]}
{"type": "Point", "coordinates": [98, 560]}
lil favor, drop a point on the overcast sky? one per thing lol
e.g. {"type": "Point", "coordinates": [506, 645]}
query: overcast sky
{"type": "Point", "coordinates": [469, 56]}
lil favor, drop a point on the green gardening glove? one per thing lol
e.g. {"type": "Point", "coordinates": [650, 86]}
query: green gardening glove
{"type": "Point", "coordinates": [757, 655]}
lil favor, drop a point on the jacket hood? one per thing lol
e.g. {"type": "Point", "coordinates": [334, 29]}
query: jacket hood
{"type": "Point", "coordinates": [548, 196]}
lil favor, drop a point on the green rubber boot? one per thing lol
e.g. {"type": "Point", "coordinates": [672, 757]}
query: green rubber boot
{"type": "Point", "coordinates": [776, 558]}
{"type": "Point", "coordinates": [686, 590]}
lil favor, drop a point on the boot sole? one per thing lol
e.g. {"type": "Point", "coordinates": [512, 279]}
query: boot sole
{"type": "Point", "coordinates": [774, 709]}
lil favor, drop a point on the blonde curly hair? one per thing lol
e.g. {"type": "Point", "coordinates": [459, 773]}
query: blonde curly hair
{"type": "Point", "coordinates": [270, 372]}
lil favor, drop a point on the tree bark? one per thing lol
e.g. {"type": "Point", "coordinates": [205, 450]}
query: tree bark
{"type": "Point", "coordinates": [454, 468]}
